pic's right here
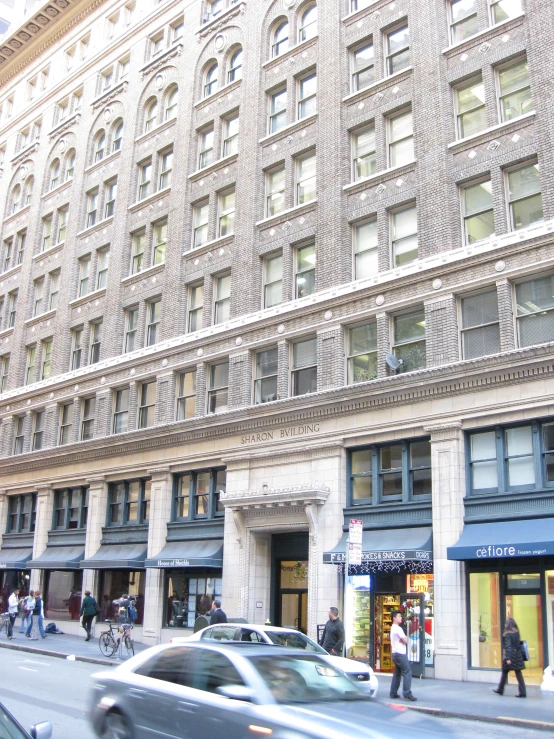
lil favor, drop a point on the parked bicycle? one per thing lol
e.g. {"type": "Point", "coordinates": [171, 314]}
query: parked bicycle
{"type": "Point", "coordinates": [116, 638]}
{"type": "Point", "coordinates": [4, 623]}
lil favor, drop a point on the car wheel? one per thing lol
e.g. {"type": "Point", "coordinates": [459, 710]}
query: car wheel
{"type": "Point", "coordinates": [116, 727]}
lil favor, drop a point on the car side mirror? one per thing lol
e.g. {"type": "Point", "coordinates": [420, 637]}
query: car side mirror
{"type": "Point", "coordinates": [42, 730]}
{"type": "Point", "coordinates": [236, 692]}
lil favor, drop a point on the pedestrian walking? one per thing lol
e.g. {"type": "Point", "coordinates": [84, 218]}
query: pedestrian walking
{"type": "Point", "coordinates": [121, 608]}
{"type": "Point", "coordinates": [13, 608]}
{"type": "Point", "coordinates": [332, 639]}
{"type": "Point", "coordinates": [218, 616]}
{"type": "Point", "coordinates": [37, 612]}
{"type": "Point", "coordinates": [402, 668]}
{"type": "Point", "coordinates": [89, 609]}
{"type": "Point", "coordinates": [513, 659]}
{"type": "Point", "coordinates": [27, 609]}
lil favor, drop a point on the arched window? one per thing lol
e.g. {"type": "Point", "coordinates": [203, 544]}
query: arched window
{"type": "Point", "coordinates": [211, 80]}
{"type": "Point", "coordinates": [29, 185]}
{"type": "Point", "coordinates": [54, 173]}
{"type": "Point", "coordinates": [151, 116]}
{"type": "Point", "coordinates": [99, 146]}
{"type": "Point", "coordinates": [308, 24]}
{"type": "Point", "coordinates": [235, 67]}
{"type": "Point", "coordinates": [118, 135]}
{"type": "Point", "coordinates": [16, 198]}
{"type": "Point", "coordinates": [280, 39]}
{"type": "Point", "coordinates": [70, 164]}
{"type": "Point", "coordinates": [172, 103]}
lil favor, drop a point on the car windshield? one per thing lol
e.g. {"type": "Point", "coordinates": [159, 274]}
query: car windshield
{"type": "Point", "coordinates": [294, 639]}
{"type": "Point", "coordinates": [8, 730]}
{"type": "Point", "coordinates": [305, 679]}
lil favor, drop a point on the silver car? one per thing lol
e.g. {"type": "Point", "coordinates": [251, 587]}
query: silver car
{"type": "Point", "coordinates": [206, 690]}
{"type": "Point", "coordinates": [360, 672]}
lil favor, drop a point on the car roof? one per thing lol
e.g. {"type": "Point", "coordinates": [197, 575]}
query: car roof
{"type": "Point", "coordinates": [259, 627]}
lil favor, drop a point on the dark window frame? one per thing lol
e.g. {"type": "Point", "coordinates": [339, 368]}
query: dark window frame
{"type": "Point", "coordinates": [19, 512]}
{"type": "Point", "coordinates": [213, 495]}
{"type": "Point", "coordinates": [83, 509]}
{"type": "Point", "coordinates": [143, 503]}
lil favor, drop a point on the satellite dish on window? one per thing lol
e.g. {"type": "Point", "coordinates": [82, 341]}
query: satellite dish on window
{"type": "Point", "coordinates": [393, 361]}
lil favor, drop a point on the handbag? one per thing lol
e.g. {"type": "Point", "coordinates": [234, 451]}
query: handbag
{"type": "Point", "coordinates": [524, 650]}
{"type": "Point", "coordinates": [97, 608]}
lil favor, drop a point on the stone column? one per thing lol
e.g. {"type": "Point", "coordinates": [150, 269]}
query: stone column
{"type": "Point", "coordinates": [165, 398]}
{"type": "Point", "coordinates": [383, 343]}
{"type": "Point", "coordinates": [43, 524]}
{"type": "Point", "coordinates": [160, 514]}
{"type": "Point", "coordinates": [330, 357]}
{"type": "Point", "coordinates": [27, 432]}
{"type": "Point", "coordinates": [76, 429]}
{"type": "Point", "coordinates": [201, 392]}
{"type": "Point", "coordinates": [505, 315]}
{"type": "Point", "coordinates": [97, 504]}
{"type": "Point", "coordinates": [240, 380]}
{"type": "Point", "coordinates": [283, 351]}
{"type": "Point", "coordinates": [448, 475]}
{"type": "Point", "coordinates": [3, 510]}
{"type": "Point", "coordinates": [441, 331]}
{"type": "Point", "coordinates": [133, 405]}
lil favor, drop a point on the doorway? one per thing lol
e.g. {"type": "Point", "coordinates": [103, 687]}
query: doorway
{"type": "Point", "coordinates": [526, 609]}
{"type": "Point", "coordinates": [294, 610]}
{"type": "Point", "coordinates": [290, 579]}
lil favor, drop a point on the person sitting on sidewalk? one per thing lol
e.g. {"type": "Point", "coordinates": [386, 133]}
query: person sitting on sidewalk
{"type": "Point", "coordinates": [399, 640]}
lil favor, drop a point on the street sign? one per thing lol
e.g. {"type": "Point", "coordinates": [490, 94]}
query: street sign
{"type": "Point", "coordinates": [355, 532]}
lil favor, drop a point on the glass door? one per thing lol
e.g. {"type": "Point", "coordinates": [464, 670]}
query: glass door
{"type": "Point", "coordinates": [412, 606]}
{"type": "Point", "coordinates": [524, 604]}
{"type": "Point", "coordinates": [294, 610]}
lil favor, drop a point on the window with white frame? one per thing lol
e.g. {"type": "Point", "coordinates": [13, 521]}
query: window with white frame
{"type": "Point", "coordinates": [226, 212]}
{"type": "Point", "coordinates": [159, 242]}
{"type": "Point", "coordinates": [186, 395]}
{"type": "Point", "coordinates": [480, 325]}
{"type": "Point", "coordinates": [463, 20]}
{"type": "Point", "coordinates": [123, 67]}
{"type": "Point", "coordinates": [103, 264]}
{"type": "Point", "coordinates": [210, 80]}
{"type": "Point", "coordinates": [308, 24]}
{"type": "Point", "coordinates": [157, 44]}
{"type": "Point", "coordinates": [18, 434]}
{"type": "Point", "coordinates": [401, 138]}
{"type": "Point", "coordinates": [107, 79]}
{"type": "Point", "coordinates": [362, 61]}
{"type": "Point", "coordinates": [30, 361]}
{"type": "Point", "coordinates": [84, 275]}
{"type": "Point", "coordinates": [20, 246]}
{"type": "Point", "coordinates": [76, 348]}
{"type": "Point", "coordinates": [364, 160]}
{"type": "Point", "coordinates": [117, 137]}
{"type": "Point", "coordinates": [177, 30]}
{"type": "Point", "coordinates": [230, 135]}
{"type": "Point", "coordinates": [205, 147]}
{"type": "Point", "coordinates": [28, 192]}
{"type": "Point", "coordinates": [1, 313]}
{"type": "Point", "coordinates": [38, 296]}
{"type": "Point", "coordinates": [503, 10]}
{"type": "Point", "coordinates": [305, 270]}
{"type": "Point", "coordinates": [235, 67]}
{"type": "Point", "coordinates": [265, 379]}
{"type": "Point", "coordinates": [195, 317]}
{"type": "Point", "coordinates": [409, 340]}
{"type": "Point", "coordinates": [362, 353]}
{"type": "Point", "coordinates": [280, 41]}
{"type": "Point", "coordinates": [121, 411]}
{"type": "Point", "coordinates": [8, 254]}
{"type": "Point", "coordinates": [305, 178]}
{"type": "Point", "coordinates": [201, 212]}
{"type": "Point", "coordinates": [46, 359]}
{"type": "Point", "coordinates": [31, 88]}
{"type": "Point", "coordinates": [145, 175]}
{"type": "Point", "coordinates": [398, 50]}
{"type": "Point", "coordinates": [151, 116]}
{"type": "Point", "coordinates": [222, 303]}
{"type": "Point", "coordinates": [273, 280]}
{"type": "Point", "coordinates": [54, 290]}
{"type": "Point", "coordinates": [62, 224]}
{"type": "Point", "coordinates": [88, 413]}
{"type": "Point", "coordinates": [54, 174]}
{"type": "Point", "coordinates": [514, 89]}
{"type": "Point", "coordinates": [110, 196]}
{"type": "Point", "coordinates": [366, 252]}
{"type": "Point", "coordinates": [218, 387]}
{"type": "Point", "coordinates": [137, 252]}
{"type": "Point", "coordinates": [470, 107]}
{"type": "Point", "coordinates": [70, 164]}
{"type": "Point", "coordinates": [172, 103]}
{"type": "Point", "coordinates": [16, 198]}
{"type": "Point", "coordinates": [111, 24]}
{"type": "Point", "coordinates": [478, 213]}
{"type": "Point", "coordinates": [76, 100]}
{"type": "Point", "coordinates": [304, 367]}
{"type": "Point", "coordinates": [131, 324]}
{"type": "Point", "coordinates": [307, 100]}
{"type": "Point", "coordinates": [92, 208]}
{"type": "Point", "coordinates": [4, 372]}
{"type": "Point", "coordinates": [38, 430]}
{"type": "Point", "coordinates": [12, 308]}
{"type": "Point", "coordinates": [95, 341]}
{"type": "Point", "coordinates": [147, 404]}
{"type": "Point", "coordinates": [535, 311]}
{"type": "Point", "coordinates": [70, 58]}
{"type": "Point", "coordinates": [277, 111]}
{"type": "Point", "coordinates": [153, 317]}
{"type": "Point", "coordinates": [46, 233]}
{"type": "Point", "coordinates": [166, 168]}
{"type": "Point", "coordinates": [66, 423]}
{"type": "Point", "coordinates": [404, 236]}
{"type": "Point", "coordinates": [524, 196]}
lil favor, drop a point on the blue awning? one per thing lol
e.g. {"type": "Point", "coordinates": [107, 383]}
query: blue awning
{"type": "Point", "coordinates": [14, 559]}
{"type": "Point", "coordinates": [396, 545]}
{"type": "Point", "coordinates": [509, 539]}
{"type": "Point", "coordinates": [117, 557]}
{"type": "Point", "coordinates": [194, 553]}
{"type": "Point", "coordinates": [58, 558]}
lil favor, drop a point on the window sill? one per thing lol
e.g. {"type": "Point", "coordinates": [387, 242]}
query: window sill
{"type": "Point", "coordinates": [359, 13]}
{"type": "Point", "coordinates": [107, 95]}
{"type": "Point", "coordinates": [57, 189]}
{"type": "Point", "coordinates": [62, 126]}
{"type": "Point", "coordinates": [105, 160]}
{"type": "Point", "coordinates": [383, 174]}
{"type": "Point", "coordinates": [41, 317]}
{"type": "Point", "coordinates": [17, 213]}
{"type": "Point", "coordinates": [83, 299]}
{"type": "Point", "coordinates": [211, 25]}
{"type": "Point", "coordinates": [10, 272]}
{"type": "Point", "coordinates": [161, 59]}
{"type": "Point", "coordinates": [376, 86]}
{"type": "Point", "coordinates": [209, 245]}
{"type": "Point", "coordinates": [481, 34]}
{"type": "Point", "coordinates": [290, 128]}
{"type": "Point", "coordinates": [48, 252]}
{"type": "Point", "coordinates": [485, 133]}
{"type": "Point", "coordinates": [290, 52]}
{"type": "Point", "coordinates": [220, 92]}
{"type": "Point", "coordinates": [143, 274]}
{"type": "Point", "coordinates": [156, 130]}
{"type": "Point", "coordinates": [7, 331]}
{"type": "Point", "coordinates": [284, 214]}
{"type": "Point", "coordinates": [200, 173]}
{"type": "Point", "coordinates": [97, 227]}
{"type": "Point", "coordinates": [159, 195]}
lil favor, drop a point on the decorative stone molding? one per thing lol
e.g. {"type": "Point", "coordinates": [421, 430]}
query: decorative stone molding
{"type": "Point", "coordinates": [444, 431]}
{"type": "Point", "coordinates": [24, 154]}
{"type": "Point", "coordinates": [160, 61]}
{"type": "Point", "coordinates": [110, 95]}
{"type": "Point", "coordinates": [220, 21]}
{"type": "Point", "coordinates": [64, 126]}
{"type": "Point", "coordinates": [315, 493]}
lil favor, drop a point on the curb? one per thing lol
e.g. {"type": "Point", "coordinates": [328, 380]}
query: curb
{"type": "Point", "coordinates": [60, 655]}
{"type": "Point", "coordinates": [507, 720]}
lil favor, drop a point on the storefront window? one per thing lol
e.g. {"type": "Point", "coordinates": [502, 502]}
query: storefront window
{"type": "Point", "coordinates": [357, 617]}
{"type": "Point", "coordinates": [189, 596]}
{"type": "Point", "coordinates": [485, 624]}
{"type": "Point", "coordinates": [549, 579]}
{"type": "Point", "coordinates": [11, 580]}
{"type": "Point", "coordinates": [62, 595]}
{"type": "Point", "coordinates": [424, 583]}
{"type": "Point", "coordinates": [114, 584]}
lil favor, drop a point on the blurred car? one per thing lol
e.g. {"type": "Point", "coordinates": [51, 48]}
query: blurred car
{"type": "Point", "coordinates": [11, 728]}
{"type": "Point", "coordinates": [359, 671]}
{"type": "Point", "coordinates": [240, 690]}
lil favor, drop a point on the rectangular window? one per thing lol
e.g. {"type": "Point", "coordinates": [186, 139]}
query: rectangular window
{"type": "Point", "coordinates": [205, 148]}
{"type": "Point", "coordinates": [147, 404]}
{"type": "Point", "coordinates": [182, 496]}
{"type": "Point", "coordinates": [102, 268]}
{"type": "Point", "coordinates": [160, 242]}
{"type": "Point", "coordinates": [480, 325]}
{"type": "Point", "coordinates": [307, 102]}
{"type": "Point", "coordinates": [218, 387]}
{"type": "Point", "coordinates": [524, 195]}
{"type": "Point", "coordinates": [226, 209]}
{"type": "Point", "coordinates": [485, 625]}
{"type": "Point", "coordinates": [153, 310]}
{"type": "Point", "coordinates": [18, 434]}
{"type": "Point", "coordinates": [92, 208]}
{"type": "Point", "coordinates": [110, 196]}
{"type": "Point", "coordinates": [145, 175]}
{"type": "Point", "coordinates": [30, 364]}
{"type": "Point", "coordinates": [401, 139]}
{"type": "Point", "coordinates": [66, 423]}
{"type": "Point", "coordinates": [362, 67]}
{"type": "Point", "coordinates": [366, 253]}
{"type": "Point", "coordinates": [4, 372]}
{"type": "Point", "coordinates": [304, 367]}
{"type": "Point", "coordinates": [12, 308]}
{"type": "Point", "coordinates": [76, 348]}
{"type": "Point", "coordinates": [38, 430]}
{"type": "Point", "coordinates": [275, 189]}
{"type": "Point", "coordinates": [409, 340]}
{"type": "Point", "coordinates": [62, 224]}
{"type": "Point", "coordinates": [129, 502]}
{"type": "Point", "coordinates": [503, 10]}
{"type": "Point", "coordinates": [38, 295]}
{"type": "Point", "coordinates": [87, 420]}
{"type": "Point", "coordinates": [520, 466]}
{"type": "Point", "coordinates": [277, 111]}
{"type": "Point", "coordinates": [535, 311]}
{"type": "Point", "coordinates": [514, 90]}
{"type": "Point", "coordinates": [305, 270]}
{"type": "Point", "coordinates": [201, 213]}
{"type": "Point", "coordinates": [46, 359]}
{"type": "Point", "coordinates": [404, 236]}
{"type": "Point", "coordinates": [273, 281]}
{"type": "Point", "coordinates": [483, 462]}
{"type": "Point", "coordinates": [121, 411]}
{"type": "Point", "coordinates": [131, 323]}
{"type": "Point", "coordinates": [463, 20]}
{"type": "Point", "coordinates": [470, 107]}
{"type": "Point", "coordinates": [70, 508]}
{"type": "Point", "coordinates": [21, 240]}
{"type": "Point", "coordinates": [477, 206]}
{"type": "Point", "coordinates": [201, 493]}
{"type": "Point", "coordinates": [107, 79]}
{"type": "Point", "coordinates": [8, 253]}
{"type": "Point", "coordinates": [21, 513]}
{"type": "Point", "coordinates": [265, 381]}
{"type": "Point", "coordinates": [186, 395]}
{"type": "Point", "coordinates": [84, 274]}
{"type": "Point", "coordinates": [362, 353]}
{"type": "Point", "coordinates": [231, 136]}
{"type": "Point", "coordinates": [364, 160]}
{"type": "Point", "coordinates": [157, 44]}
{"type": "Point", "coordinates": [166, 168]}
{"type": "Point", "coordinates": [137, 252]}
{"type": "Point", "coordinates": [195, 318]}
{"type": "Point", "coordinates": [177, 30]}
{"type": "Point", "coordinates": [123, 67]}
{"type": "Point", "coordinates": [46, 233]}
{"type": "Point", "coordinates": [95, 341]}
{"type": "Point", "coordinates": [305, 179]}
{"type": "Point", "coordinates": [398, 50]}
{"type": "Point", "coordinates": [222, 306]}
{"type": "Point", "coordinates": [197, 495]}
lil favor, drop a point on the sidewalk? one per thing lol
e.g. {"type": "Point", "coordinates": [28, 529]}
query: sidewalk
{"type": "Point", "coordinates": [63, 646]}
{"type": "Point", "coordinates": [477, 701]}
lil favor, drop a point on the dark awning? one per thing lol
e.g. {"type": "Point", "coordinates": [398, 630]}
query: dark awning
{"type": "Point", "coordinates": [390, 545]}
{"type": "Point", "coordinates": [58, 558]}
{"type": "Point", "coordinates": [195, 553]}
{"type": "Point", "coordinates": [14, 559]}
{"type": "Point", "coordinates": [527, 538]}
{"type": "Point", "coordinates": [117, 557]}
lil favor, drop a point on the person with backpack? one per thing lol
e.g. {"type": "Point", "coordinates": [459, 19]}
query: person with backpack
{"type": "Point", "coordinates": [26, 610]}
{"type": "Point", "coordinates": [38, 611]}
{"type": "Point", "coordinates": [89, 609]}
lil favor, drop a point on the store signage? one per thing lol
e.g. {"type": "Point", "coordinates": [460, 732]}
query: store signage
{"type": "Point", "coordinates": [3, 565]}
{"type": "Point", "coordinates": [355, 533]}
{"type": "Point", "coordinates": [173, 563]}
{"type": "Point", "coordinates": [289, 432]}
{"type": "Point", "coordinates": [340, 557]}
{"type": "Point", "coordinates": [492, 551]}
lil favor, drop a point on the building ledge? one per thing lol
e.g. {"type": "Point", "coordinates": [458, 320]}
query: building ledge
{"type": "Point", "coordinates": [288, 213]}
{"type": "Point", "coordinates": [156, 130]}
{"type": "Point", "coordinates": [290, 128]}
{"type": "Point", "coordinates": [161, 59]}
{"type": "Point", "coordinates": [112, 156]}
{"type": "Point", "coordinates": [222, 18]}
{"type": "Point", "coordinates": [110, 94]}
{"type": "Point", "coordinates": [48, 252]}
{"type": "Point", "coordinates": [315, 493]}
{"type": "Point", "coordinates": [10, 272]}
{"type": "Point", "coordinates": [480, 136]}
{"type": "Point", "coordinates": [470, 40]}
{"type": "Point", "coordinates": [97, 227]}
{"type": "Point", "coordinates": [6, 332]}
{"type": "Point", "coordinates": [219, 93]}
{"type": "Point", "coordinates": [209, 245]}
{"type": "Point", "coordinates": [143, 274]}
{"type": "Point", "coordinates": [224, 161]}
{"type": "Point", "coordinates": [376, 86]}
{"type": "Point", "coordinates": [56, 190]}
{"type": "Point", "coordinates": [64, 126]}
{"type": "Point", "coordinates": [84, 299]}
{"type": "Point", "coordinates": [158, 195]}
{"type": "Point", "coordinates": [17, 214]}
{"type": "Point", "coordinates": [290, 52]}
{"type": "Point", "coordinates": [384, 174]}
{"type": "Point", "coordinates": [41, 317]}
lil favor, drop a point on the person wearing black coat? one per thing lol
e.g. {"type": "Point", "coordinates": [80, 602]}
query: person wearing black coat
{"type": "Point", "coordinates": [513, 658]}
{"type": "Point", "coordinates": [218, 616]}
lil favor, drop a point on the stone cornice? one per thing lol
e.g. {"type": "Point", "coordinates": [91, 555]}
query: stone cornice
{"type": "Point", "coordinates": [315, 493]}
{"type": "Point", "coordinates": [64, 126]}
{"type": "Point", "coordinates": [220, 21]}
{"type": "Point", "coordinates": [25, 153]}
{"type": "Point", "coordinates": [109, 95]}
{"type": "Point", "coordinates": [161, 60]}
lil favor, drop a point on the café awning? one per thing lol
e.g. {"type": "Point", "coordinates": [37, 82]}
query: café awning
{"type": "Point", "coordinates": [117, 557]}
{"type": "Point", "coordinates": [504, 539]}
{"type": "Point", "coordinates": [194, 553]}
{"type": "Point", "coordinates": [15, 559]}
{"type": "Point", "coordinates": [58, 558]}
